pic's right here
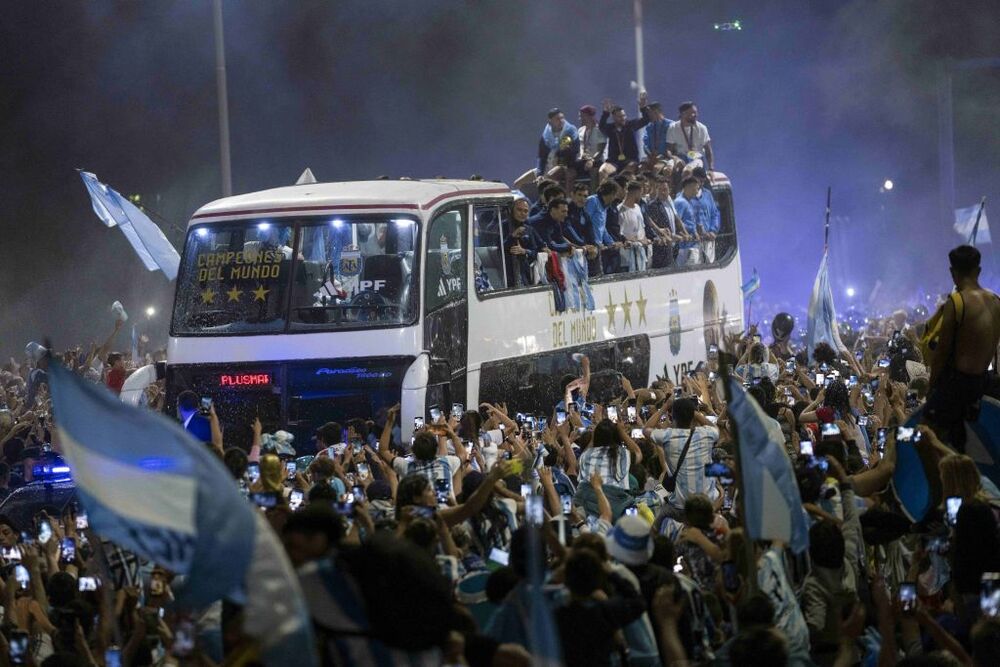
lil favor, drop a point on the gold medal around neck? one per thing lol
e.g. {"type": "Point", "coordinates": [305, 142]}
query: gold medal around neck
{"type": "Point", "coordinates": [621, 156]}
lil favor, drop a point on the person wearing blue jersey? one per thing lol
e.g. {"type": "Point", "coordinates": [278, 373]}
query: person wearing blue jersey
{"type": "Point", "coordinates": [710, 216]}
{"type": "Point", "coordinates": [596, 208]}
{"type": "Point", "coordinates": [689, 210]}
{"type": "Point", "coordinates": [558, 148]}
{"type": "Point", "coordinates": [654, 139]}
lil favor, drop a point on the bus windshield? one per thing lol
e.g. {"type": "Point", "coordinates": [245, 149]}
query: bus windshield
{"type": "Point", "coordinates": [296, 275]}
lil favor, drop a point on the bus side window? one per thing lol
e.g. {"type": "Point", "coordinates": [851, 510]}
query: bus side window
{"type": "Point", "coordinates": [445, 252]}
{"type": "Point", "coordinates": [488, 260]}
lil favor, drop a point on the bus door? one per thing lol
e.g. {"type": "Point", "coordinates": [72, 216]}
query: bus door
{"type": "Point", "coordinates": [446, 307]}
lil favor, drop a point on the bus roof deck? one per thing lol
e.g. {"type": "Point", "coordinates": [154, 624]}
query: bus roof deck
{"type": "Point", "coordinates": [356, 196]}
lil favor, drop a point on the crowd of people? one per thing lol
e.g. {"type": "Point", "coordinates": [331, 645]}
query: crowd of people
{"type": "Point", "coordinates": [604, 207]}
{"type": "Point", "coordinates": [596, 530]}
{"type": "Point", "coordinates": [620, 519]}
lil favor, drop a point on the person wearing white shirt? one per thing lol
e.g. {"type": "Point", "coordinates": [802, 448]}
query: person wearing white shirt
{"type": "Point", "coordinates": [592, 144]}
{"type": "Point", "coordinates": [633, 229]}
{"type": "Point", "coordinates": [689, 139]}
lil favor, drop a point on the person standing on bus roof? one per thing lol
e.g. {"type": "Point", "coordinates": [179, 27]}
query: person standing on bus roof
{"type": "Point", "coordinates": [555, 236]}
{"type": "Point", "coordinates": [596, 209]}
{"type": "Point", "coordinates": [633, 228]}
{"type": "Point", "coordinates": [663, 223]}
{"type": "Point", "coordinates": [620, 131]}
{"type": "Point", "coordinates": [578, 218]}
{"type": "Point", "coordinates": [655, 138]}
{"type": "Point", "coordinates": [560, 238]}
{"type": "Point", "coordinates": [688, 138]}
{"type": "Point", "coordinates": [546, 195]}
{"type": "Point", "coordinates": [689, 251]}
{"type": "Point", "coordinates": [710, 218]}
{"type": "Point", "coordinates": [557, 150]}
{"type": "Point", "coordinates": [592, 143]}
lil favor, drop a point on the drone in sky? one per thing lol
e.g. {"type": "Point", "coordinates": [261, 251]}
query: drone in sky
{"type": "Point", "coordinates": [730, 26]}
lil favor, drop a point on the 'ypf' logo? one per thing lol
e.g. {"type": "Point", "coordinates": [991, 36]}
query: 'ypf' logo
{"type": "Point", "coordinates": [674, 310]}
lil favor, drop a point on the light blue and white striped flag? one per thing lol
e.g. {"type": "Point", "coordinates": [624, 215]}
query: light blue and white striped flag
{"type": "Point", "coordinates": [154, 249]}
{"type": "Point", "coordinates": [965, 224]}
{"type": "Point", "coordinates": [821, 324]}
{"type": "Point", "coordinates": [149, 487]}
{"type": "Point", "coordinates": [771, 500]}
{"type": "Point", "coordinates": [543, 633]}
{"type": "Point", "coordinates": [752, 285]}
{"type": "Point", "coordinates": [135, 347]}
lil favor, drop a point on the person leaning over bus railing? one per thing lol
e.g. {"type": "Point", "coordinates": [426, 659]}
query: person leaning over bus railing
{"type": "Point", "coordinates": [597, 210]}
{"type": "Point", "coordinates": [662, 223]}
{"type": "Point", "coordinates": [633, 228]}
{"type": "Point", "coordinates": [689, 252]}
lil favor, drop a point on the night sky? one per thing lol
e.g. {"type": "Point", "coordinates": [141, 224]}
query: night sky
{"type": "Point", "coordinates": [808, 94]}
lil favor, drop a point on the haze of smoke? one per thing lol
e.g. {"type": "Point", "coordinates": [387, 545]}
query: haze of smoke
{"type": "Point", "coordinates": [808, 95]}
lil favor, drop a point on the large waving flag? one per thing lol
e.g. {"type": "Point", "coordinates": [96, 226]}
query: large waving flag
{"type": "Point", "coordinates": [982, 444]}
{"type": "Point", "coordinates": [148, 486]}
{"type": "Point", "coordinates": [752, 285]}
{"type": "Point", "coordinates": [153, 248]}
{"type": "Point", "coordinates": [543, 634]}
{"type": "Point", "coordinates": [821, 325]}
{"type": "Point", "coordinates": [771, 501]}
{"type": "Point", "coordinates": [973, 225]}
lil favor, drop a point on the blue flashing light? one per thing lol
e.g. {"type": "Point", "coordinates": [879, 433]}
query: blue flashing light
{"type": "Point", "coordinates": [47, 472]}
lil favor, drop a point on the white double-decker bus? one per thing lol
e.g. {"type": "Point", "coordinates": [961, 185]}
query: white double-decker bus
{"type": "Point", "coordinates": [320, 302]}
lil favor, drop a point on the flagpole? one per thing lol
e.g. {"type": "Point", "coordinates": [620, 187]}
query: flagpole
{"type": "Point", "coordinates": [223, 99]}
{"type": "Point", "coordinates": [826, 228]}
{"type": "Point", "coordinates": [979, 215]}
{"type": "Point", "coordinates": [751, 556]}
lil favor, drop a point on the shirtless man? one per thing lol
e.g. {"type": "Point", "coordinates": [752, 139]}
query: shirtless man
{"type": "Point", "coordinates": [965, 349]}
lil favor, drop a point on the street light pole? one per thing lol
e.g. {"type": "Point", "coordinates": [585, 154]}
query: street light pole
{"type": "Point", "coordinates": [946, 131]}
{"type": "Point", "coordinates": [220, 82]}
{"type": "Point", "coordinates": [640, 69]}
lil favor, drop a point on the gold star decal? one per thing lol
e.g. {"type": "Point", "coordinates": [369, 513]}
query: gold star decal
{"type": "Point", "coordinates": [208, 296]}
{"type": "Point", "coordinates": [234, 294]}
{"type": "Point", "coordinates": [627, 310]}
{"type": "Point", "coordinates": [640, 303]}
{"type": "Point", "coordinates": [260, 293]}
{"type": "Point", "coordinates": [611, 307]}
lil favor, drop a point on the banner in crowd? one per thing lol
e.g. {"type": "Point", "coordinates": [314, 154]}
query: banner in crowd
{"type": "Point", "coordinates": [965, 223]}
{"type": "Point", "coordinates": [148, 486]}
{"type": "Point", "coordinates": [821, 324]}
{"type": "Point", "coordinates": [153, 248]}
{"type": "Point", "coordinates": [909, 479]}
{"type": "Point", "coordinates": [771, 500]}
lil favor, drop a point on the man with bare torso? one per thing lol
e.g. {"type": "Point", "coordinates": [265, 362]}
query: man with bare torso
{"type": "Point", "coordinates": [967, 345]}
